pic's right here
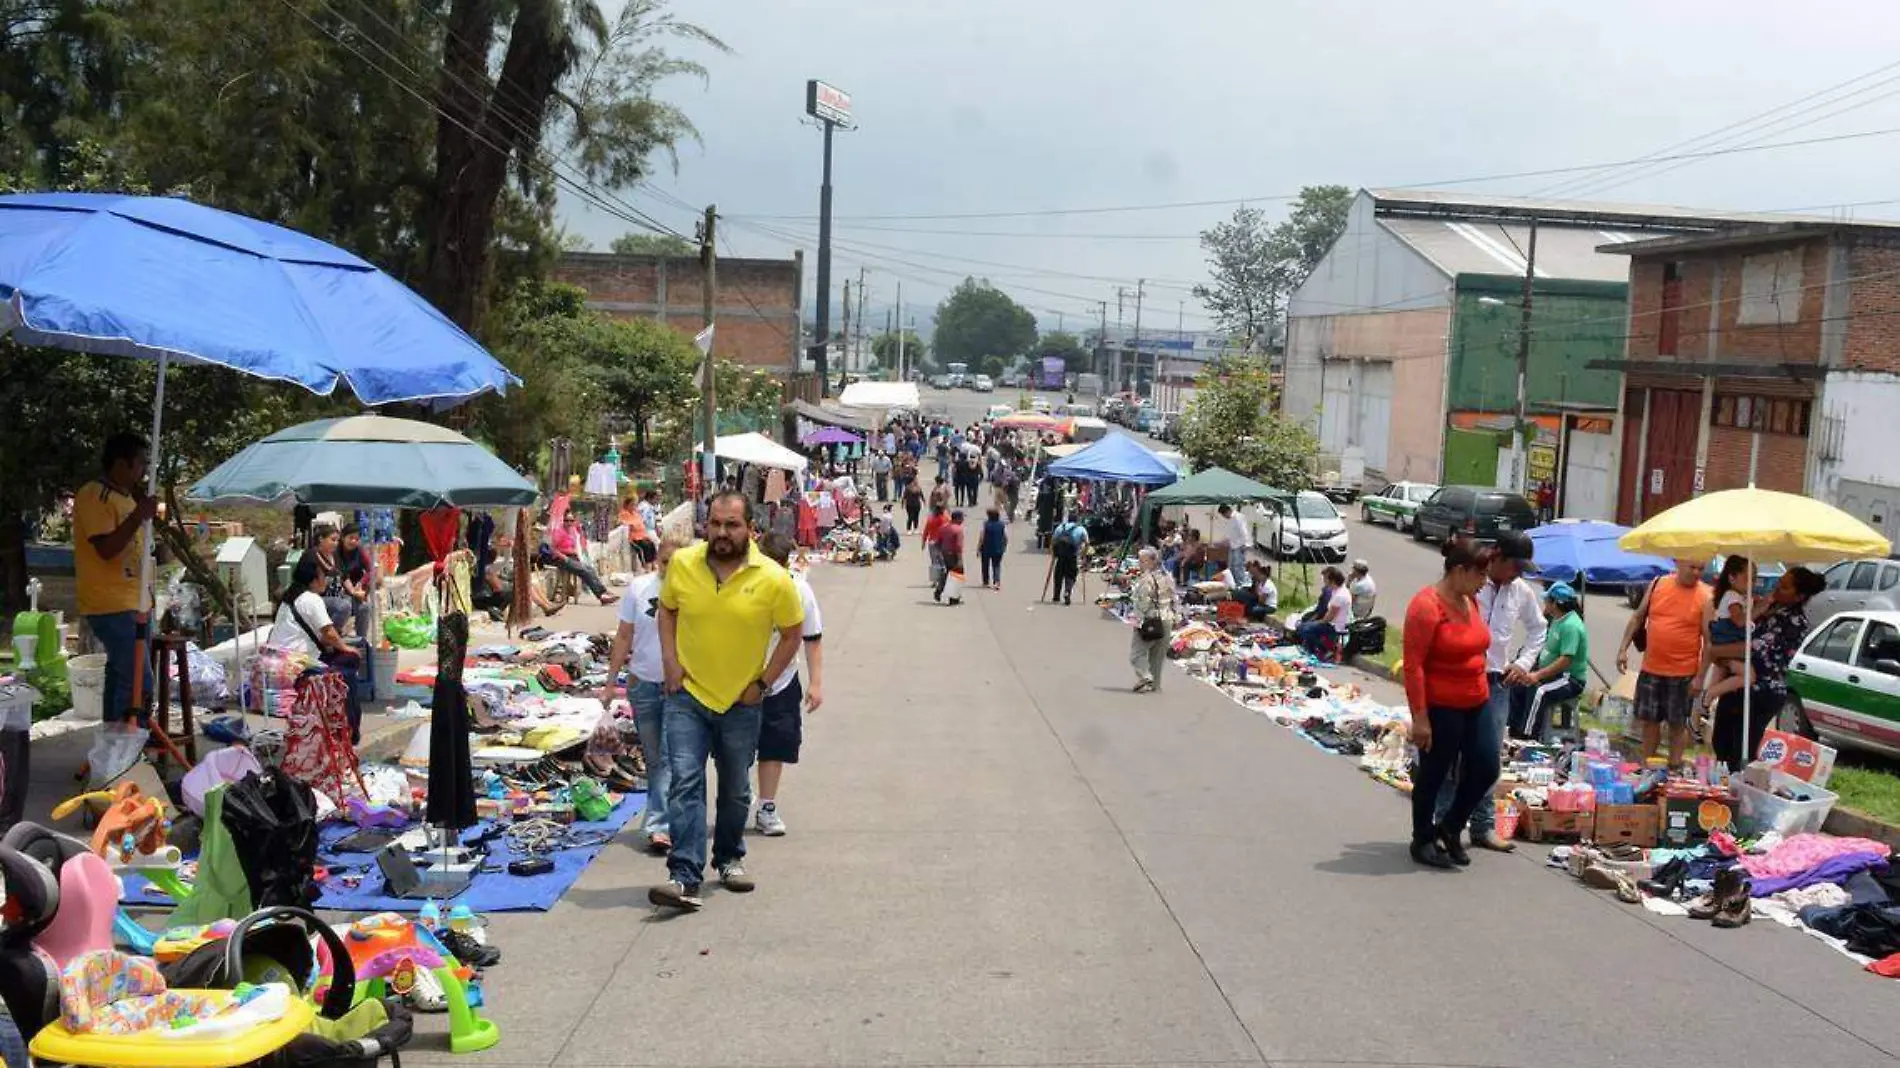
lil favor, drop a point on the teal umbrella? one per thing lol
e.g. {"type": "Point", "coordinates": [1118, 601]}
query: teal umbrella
{"type": "Point", "coordinates": [366, 461]}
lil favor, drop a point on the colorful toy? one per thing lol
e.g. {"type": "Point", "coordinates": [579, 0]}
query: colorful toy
{"type": "Point", "coordinates": [132, 935]}
{"type": "Point", "coordinates": [387, 949]}
{"type": "Point", "coordinates": [364, 814]}
{"type": "Point", "coordinates": [88, 903]}
{"type": "Point", "coordinates": [131, 831]}
{"type": "Point", "coordinates": [178, 942]}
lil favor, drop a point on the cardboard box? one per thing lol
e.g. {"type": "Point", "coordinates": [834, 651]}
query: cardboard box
{"type": "Point", "coordinates": [1681, 822]}
{"type": "Point", "coordinates": [1800, 757]}
{"type": "Point", "coordinates": [1635, 824]}
{"type": "Point", "coordinates": [1544, 825]}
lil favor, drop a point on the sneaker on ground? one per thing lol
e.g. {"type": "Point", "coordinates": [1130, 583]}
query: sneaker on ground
{"type": "Point", "coordinates": [671, 895]}
{"type": "Point", "coordinates": [767, 822]}
{"type": "Point", "coordinates": [426, 993]}
{"type": "Point", "coordinates": [732, 876]}
{"type": "Point", "coordinates": [466, 949]}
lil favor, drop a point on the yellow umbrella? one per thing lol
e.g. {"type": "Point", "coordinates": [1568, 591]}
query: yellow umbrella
{"type": "Point", "coordinates": [1761, 525]}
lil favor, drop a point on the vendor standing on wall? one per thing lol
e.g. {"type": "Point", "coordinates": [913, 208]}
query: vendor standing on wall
{"type": "Point", "coordinates": [107, 517]}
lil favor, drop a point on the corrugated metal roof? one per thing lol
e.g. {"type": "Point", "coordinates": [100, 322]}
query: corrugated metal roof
{"type": "Point", "coordinates": [1660, 216]}
{"type": "Point", "coordinates": [1458, 247]}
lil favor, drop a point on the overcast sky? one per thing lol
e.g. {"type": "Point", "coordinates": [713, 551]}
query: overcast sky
{"type": "Point", "coordinates": [986, 106]}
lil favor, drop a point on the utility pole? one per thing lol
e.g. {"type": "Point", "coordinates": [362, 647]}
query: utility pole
{"type": "Point", "coordinates": [1141, 286]}
{"type": "Point", "coordinates": [1101, 348]}
{"type": "Point", "coordinates": [845, 333]}
{"type": "Point", "coordinates": [1115, 362]}
{"type": "Point", "coordinates": [709, 285]}
{"type": "Point", "coordinates": [903, 374]}
{"type": "Point", "coordinates": [1521, 440]}
{"type": "Point", "coordinates": [857, 353]}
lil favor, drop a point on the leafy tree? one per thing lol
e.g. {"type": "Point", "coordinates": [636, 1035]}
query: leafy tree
{"type": "Point", "coordinates": [653, 245]}
{"type": "Point", "coordinates": [1231, 423]}
{"type": "Point", "coordinates": [647, 369]}
{"type": "Point", "coordinates": [1256, 267]}
{"type": "Point", "coordinates": [884, 348]}
{"type": "Point", "coordinates": [979, 324]}
{"type": "Point", "coordinates": [565, 74]}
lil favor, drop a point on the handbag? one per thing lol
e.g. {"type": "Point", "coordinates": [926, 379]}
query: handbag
{"type": "Point", "coordinates": [1152, 629]}
{"type": "Point", "coordinates": [1641, 638]}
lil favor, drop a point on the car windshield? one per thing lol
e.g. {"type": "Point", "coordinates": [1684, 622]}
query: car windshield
{"type": "Point", "coordinates": [1314, 506]}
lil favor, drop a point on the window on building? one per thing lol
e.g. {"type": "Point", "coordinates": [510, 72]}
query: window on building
{"type": "Point", "coordinates": [1770, 415]}
{"type": "Point", "coordinates": [1771, 288]}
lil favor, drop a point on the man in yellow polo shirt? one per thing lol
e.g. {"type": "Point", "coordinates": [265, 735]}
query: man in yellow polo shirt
{"type": "Point", "coordinates": [107, 517]}
{"type": "Point", "coordinates": [720, 603]}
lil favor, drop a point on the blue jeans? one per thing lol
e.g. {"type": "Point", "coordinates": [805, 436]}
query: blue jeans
{"type": "Point", "coordinates": [1489, 728]}
{"type": "Point", "coordinates": [119, 632]}
{"type": "Point", "coordinates": [649, 709]}
{"type": "Point", "coordinates": [731, 739]}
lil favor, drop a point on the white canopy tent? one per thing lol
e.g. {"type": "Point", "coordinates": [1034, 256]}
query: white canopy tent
{"type": "Point", "coordinates": [881, 397]}
{"type": "Point", "coordinates": [756, 448]}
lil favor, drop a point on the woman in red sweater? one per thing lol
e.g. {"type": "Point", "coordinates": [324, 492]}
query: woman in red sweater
{"type": "Point", "coordinates": [1445, 642]}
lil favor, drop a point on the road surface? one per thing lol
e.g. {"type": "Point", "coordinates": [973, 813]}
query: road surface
{"type": "Point", "coordinates": [999, 856]}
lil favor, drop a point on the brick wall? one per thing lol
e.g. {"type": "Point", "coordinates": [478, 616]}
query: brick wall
{"type": "Point", "coordinates": [1796, 342]}
{"type": "Point", "coordinates": [1782, 465]}
{"type": "Point", "coordinates": [1873, 308]}
{"type": "Point", "coordinates": [756, 306]}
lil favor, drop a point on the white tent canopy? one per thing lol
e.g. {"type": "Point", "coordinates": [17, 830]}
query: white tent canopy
{"type": "Point", "coordinates": [756, 448]}
{"type": "Point", "coordinates": [880, 395]}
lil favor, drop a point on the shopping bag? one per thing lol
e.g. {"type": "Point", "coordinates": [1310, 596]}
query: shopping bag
{"type": "Point", "coordinates": [953, 586]}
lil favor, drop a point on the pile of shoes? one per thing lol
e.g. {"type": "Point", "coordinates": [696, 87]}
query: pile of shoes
{"type": "Point", "coordinates": [1608, 868]}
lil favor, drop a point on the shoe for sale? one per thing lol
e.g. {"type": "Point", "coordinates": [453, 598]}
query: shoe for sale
{"type": "Point", "coordinates": [672, 895]}
{"type": "Point", "coordinates": [464, 948]}
{"type": "Point", "coordinates": [1432, 855]}
{"type": "Point", "coordinates": [766, 821]}
{"type": "Point", "coordinates": [1737, 911]}
{"type": "Point", "coordinates": [1493, 841]}
{"type": "Point", "coordinates": [426, 993]}
{"type": "Point", "coordinates": [732, 876]}
{"type": "Point", "coordinates": [1453, 848]}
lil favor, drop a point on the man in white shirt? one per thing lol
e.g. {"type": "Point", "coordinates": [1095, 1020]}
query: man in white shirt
{"type": "Point", "coordinates": [1507, 602]}
{"type": "Point", "coordinates": [881, 472]}
{"type": "Point", "coordinates": [1365, 592]}
{"type": "Point", "coordinates": [1234, 532]}
{"type": "Point", "coordinates": [781, 726]}
{"type": "Point", "coordinates": [639, 635]}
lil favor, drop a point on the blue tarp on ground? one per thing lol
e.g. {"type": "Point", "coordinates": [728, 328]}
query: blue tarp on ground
{"type": "Point", "coordinates": [1116, 458]}
{"type": "Point", "coordinates": [495, 891]}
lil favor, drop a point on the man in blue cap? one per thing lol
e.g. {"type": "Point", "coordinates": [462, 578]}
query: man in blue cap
{"type": "Point", "coordinates": [1561, 665]}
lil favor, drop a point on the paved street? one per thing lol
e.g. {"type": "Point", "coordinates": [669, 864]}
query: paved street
{"type": "Point", "coordinates": [998, 856]}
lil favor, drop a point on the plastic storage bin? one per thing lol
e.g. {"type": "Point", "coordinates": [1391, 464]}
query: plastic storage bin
{"type": "Point", "coordinates": [1760, 811]}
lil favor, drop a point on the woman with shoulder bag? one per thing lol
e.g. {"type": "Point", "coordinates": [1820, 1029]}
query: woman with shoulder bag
{"type": "Point", "coordinates": [303, 626]}
{"type": "Point", "coordinates": [1156, 610]}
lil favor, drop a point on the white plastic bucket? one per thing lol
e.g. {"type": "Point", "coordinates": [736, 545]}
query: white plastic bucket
{"type": "Point", "coordinates": [87, 675]}
{"type": "Point", "coordinates": [384, 663]}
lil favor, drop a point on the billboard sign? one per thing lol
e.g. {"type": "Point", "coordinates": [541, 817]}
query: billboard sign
{"type": "Point", "coordinates": [827, 103]}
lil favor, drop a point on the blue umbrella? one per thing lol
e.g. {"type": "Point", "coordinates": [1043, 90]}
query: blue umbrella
{"type": "Point", "coordinates": [169, 280]}
{"type": "Point", "coordinates": [1569, 549]}
{"type": "Point", "coordinates": [366, 461]}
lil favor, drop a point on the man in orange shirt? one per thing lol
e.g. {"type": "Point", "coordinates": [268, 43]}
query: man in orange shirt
{"type": "Point", "coordinates": [107, 518]}
{"type": "Point", "coordinates": [1673, 616]}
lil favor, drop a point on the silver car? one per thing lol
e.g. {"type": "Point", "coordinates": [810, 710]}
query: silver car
{"type": "Point", "coordinates": [1857, 585]}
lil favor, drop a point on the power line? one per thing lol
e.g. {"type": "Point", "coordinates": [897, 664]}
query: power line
{"type": "Point", "coordinates": [1439, 184]}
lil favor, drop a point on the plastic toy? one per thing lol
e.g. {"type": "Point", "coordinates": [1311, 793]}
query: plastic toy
{"type": "Point", "coordinates": [88, 904]}
{"type": "Point", "coordinates": [132, 935]}
{"type": "Point", "coordinates": [364, 814]}
{"type": "Point", "coordinates": [178, 942]}
{"type": "Point", "coordinates": [386, 950]}
{"type": "Point", "coordinates": [131, 831]}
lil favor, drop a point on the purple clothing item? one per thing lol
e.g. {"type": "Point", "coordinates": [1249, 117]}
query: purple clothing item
{"type": "Point", "coordinates": [1832, 870]}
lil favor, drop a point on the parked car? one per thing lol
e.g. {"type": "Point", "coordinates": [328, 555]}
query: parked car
{"type": "Point", "coordinates": [1039, 404]}
{"type": "Point", "coordinates": [1010, 380]}
{"type": "Point", "coordinates": [1072, 411]}
{"type": "Point", "coordinates": [982, 384]}
{"type": "Point", "coordinates": [1476, 511]}
{"type": "Point", "coordinates": [1302, 526]}
{"type": "Point", "coordinates": [1146, 417]}
{"type": "Point", "coordinates": [1865, 585]}
{"type": "Point", "coordinates": [996, 411]}
{"type": "Point", "coordinates": [939, 381]}
{"type": "Point", "coordinates": [1844, 682]}
{"type": "Point", "coordinates": [1396, 504]}
{"type": "Point", "coordinates": [1169, 428]}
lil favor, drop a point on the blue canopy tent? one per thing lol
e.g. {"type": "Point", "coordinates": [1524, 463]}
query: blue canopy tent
{"type": "Point", "coordinates": [1116, 458]}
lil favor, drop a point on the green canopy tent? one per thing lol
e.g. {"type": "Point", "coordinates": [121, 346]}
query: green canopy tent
{"type": "Point", "coordinates": [1214, 486]}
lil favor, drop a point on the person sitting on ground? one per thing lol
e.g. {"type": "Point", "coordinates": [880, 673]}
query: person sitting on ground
{"type": "Point", "coordinates": [888, 540]}
{"type": "Point", "coordinates": [1260, 595]}
{"type": "Point", "coordinates": [1365, 592]}
{"type": "Point", "coordinates": [1322, 629]}
{"type": "Point", "coordinates": [498, 582]}
{"type": "Point", "coordinates": [566, 547]}
{"type": "Point", "coordinates": [1562, 665]}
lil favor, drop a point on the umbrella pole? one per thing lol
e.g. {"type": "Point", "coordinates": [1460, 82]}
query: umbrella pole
{"type": "Point", "coordinates": [1748, 665]}
{"type": "Point", "coordinates": [148, 600]}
